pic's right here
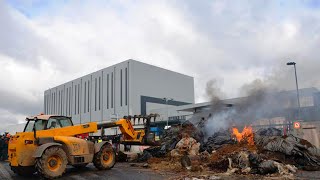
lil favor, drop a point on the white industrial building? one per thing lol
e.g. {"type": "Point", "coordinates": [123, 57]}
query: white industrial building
{"type": "Point", "coordinates": [127, 88]}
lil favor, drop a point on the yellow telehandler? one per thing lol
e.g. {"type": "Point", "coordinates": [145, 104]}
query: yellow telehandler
{"type": "Point", "coordinates": [49, 143]}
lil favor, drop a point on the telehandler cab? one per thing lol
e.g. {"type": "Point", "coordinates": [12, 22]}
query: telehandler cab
{"type": "Point", "coordinates": [49, 143]}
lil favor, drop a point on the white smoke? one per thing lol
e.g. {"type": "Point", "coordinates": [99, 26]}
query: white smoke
{"type": "Point", "coordinates": [217, 122]}
{"type": "Point", "coordinates": [260, 102]}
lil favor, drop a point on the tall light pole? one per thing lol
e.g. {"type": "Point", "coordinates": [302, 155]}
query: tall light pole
{"type": "Point", "coordinates": [167, 99]}
{"type": "Point", "coordinates": [295, 72]}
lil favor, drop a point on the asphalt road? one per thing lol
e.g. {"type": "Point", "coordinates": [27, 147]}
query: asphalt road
{"type": "Point", "coordinates": [125, 171]}
{"type": "Point", "coordinates": [119, 171]}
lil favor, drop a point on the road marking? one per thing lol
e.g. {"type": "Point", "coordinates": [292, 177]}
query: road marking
{"type": "Point", "coordinates": [4, 173]}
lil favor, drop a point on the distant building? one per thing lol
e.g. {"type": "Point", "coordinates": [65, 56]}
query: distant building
{"type": "Point", "coordinates": [284, 107]}
{"type": "Point", "coordinates": [127, 88]}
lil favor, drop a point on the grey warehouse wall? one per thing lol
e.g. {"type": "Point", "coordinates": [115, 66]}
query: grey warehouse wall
{"type": "Point", "coordinates": [117, 90]}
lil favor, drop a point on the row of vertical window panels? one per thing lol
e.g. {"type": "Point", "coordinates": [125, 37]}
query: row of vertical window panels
{"type": "Point", "coordinates": [66, 101]}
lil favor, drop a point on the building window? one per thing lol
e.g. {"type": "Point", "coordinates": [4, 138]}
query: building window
{"type": "Point", "coordinates": [107, 91]}
{"type": "Point", "coordinates": [126, 85]}
{"type": "Point", "coordinates": [48, 103]}
{"type": "Point", "coordinates": [70, 101]}
{"type": "Point", "coordinates": [75, 99]}
{"type": "Point", "coordinates": [67, 99]}
{"type": "Point", "coordinates": [54, 103]}
{"type": "Point", "coordinates": [121, 87]}
{"type": "Point", "coordinates": [61, 104]}
{"type": "Point", "coordinates": [46, 108]}
{"type": "Point", "coordinates": [45, 103]}
{"type": "Point", "coordinates": [51, 106]}
{"type": "Point", "coordinates": [85, 96]}
{"type": "Point", "coordinates": [78, 98]}
{"type": "Point", "coordinates": [54, 107]}
{"type": "Point", "coordinates": [99, 93]}
{"type": "Point", "coordinates": [88, 96]}
{"type": "Point", "coordinates": [95, 94]}
{"type": "Point", "coordinates": [112, 90]}
{"type": "Point", "coordinates": [58, 98]}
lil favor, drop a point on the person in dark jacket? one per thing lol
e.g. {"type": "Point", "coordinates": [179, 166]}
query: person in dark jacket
{"type": "Point", "coordinates": [5, 148]}
{"type": "Point", "coordinates": [6, 139]}
{"type": "Point", "coordinates": [1, 147]}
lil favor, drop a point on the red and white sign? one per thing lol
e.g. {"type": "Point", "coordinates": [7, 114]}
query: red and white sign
{"type": "Point", "coordinates": [296, 125]}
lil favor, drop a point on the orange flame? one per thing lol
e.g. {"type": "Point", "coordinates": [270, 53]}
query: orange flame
{"type": "Point", "coordinates": [245, 135]}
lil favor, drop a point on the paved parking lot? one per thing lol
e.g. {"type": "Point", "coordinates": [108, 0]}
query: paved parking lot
{"type": "Point", "coordinates": [120, 171]}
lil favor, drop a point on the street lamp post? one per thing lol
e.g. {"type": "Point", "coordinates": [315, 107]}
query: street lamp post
{"type": "Point", "coordinates": [295, 72]}
{"type": "Point", "coordinates": [167, 99]}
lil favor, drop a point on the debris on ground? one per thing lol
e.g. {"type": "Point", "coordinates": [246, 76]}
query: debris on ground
{"type": "Point", "coordinates": [121, 157]}
{"type": "Point", "coordinates": [186, 146]}
{"type": "Point", "coordinates": [303, 153]}
{"type": "Point", "coordinates": [170, 139]}
{"type": "Point", "coordinates": [262, 153]}
{"type": "Point", "coordinates": [217, 140]}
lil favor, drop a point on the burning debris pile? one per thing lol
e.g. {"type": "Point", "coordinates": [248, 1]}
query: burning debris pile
{"type": "Point", "coordinates": [214, 144]}
{"type": "Point", "coordinates": [263, 152]}
{"type": "Point", "coordinates": [216, 141]}
{"type": "Point", "coordinates": [170, 139]}
{"type": "Point", "coordinates": [174, 134]}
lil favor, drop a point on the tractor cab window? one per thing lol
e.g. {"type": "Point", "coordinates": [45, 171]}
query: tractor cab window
{"type": "Point", "coordinates": [39, 125]}
{"type": "Point", "coordinates": [64, 121]}
{"type": "Point", "coordinates": [53, 123]}
{"type": "Point", "coordinates": [58, 122]}
{"type": "Point", "coordinates": [29, 126]}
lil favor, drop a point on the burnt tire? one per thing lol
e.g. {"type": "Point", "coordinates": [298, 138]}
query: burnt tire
{"type": "Point", "coordinates": [105, 158]}
{"type": "Point", "coordinates": [53, 162]}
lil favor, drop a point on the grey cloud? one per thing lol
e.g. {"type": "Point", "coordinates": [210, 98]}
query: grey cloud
{"type": "Point", "coordinates": [232, 41]}
{"type": "Point", "coordinates": [19, 103]}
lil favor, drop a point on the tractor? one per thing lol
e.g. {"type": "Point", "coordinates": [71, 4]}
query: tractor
{"type": "Point", "coordinates": [50, 142]}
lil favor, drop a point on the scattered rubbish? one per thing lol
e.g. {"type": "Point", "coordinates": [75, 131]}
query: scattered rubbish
{"type": "Point", "coordinates": [230, 152]}
{"type": "Point", "coordinates": [303, 153]}
{"type": "Point", "coordinates": [217, 140]}
{"type": "Point", "coordinates": [121, 157]}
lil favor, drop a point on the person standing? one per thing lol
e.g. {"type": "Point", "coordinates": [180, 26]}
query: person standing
{"type": "Point", "coordinates": [5, 147]}
{"type": "Point", "coordinates": [1, 147]}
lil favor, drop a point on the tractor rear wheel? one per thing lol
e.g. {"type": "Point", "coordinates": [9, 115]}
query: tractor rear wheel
{"type": "Point", "coordinates": [53, 162]}
{"type": "Point", "coordinates": [105, 158]}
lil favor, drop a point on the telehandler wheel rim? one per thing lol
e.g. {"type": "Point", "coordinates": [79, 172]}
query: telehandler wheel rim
{"type": "Point", "coordinates": [107, 157]}
{"type": "Point", "coordinates": [54, 162]}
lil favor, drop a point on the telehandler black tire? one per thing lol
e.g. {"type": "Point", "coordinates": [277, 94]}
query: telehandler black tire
{"type": "Point", "coordinates": [105, 158]}
{"type": "Point", "coordinates": [53, 162]}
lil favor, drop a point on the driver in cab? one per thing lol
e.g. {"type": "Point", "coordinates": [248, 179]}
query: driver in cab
{"type": "Point", "coordinates": [53, 125]}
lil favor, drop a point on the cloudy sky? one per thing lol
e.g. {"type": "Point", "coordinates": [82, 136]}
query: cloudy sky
{"type": "Point", "coordinates": [46, 43]}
